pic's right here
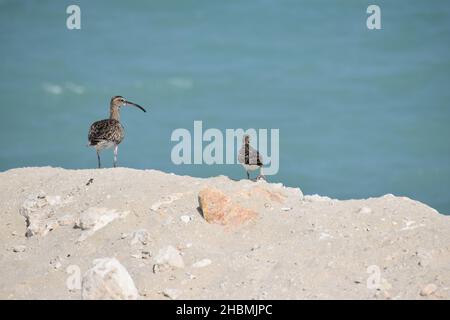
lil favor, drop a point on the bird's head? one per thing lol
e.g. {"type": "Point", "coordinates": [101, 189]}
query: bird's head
{"type": "Point", "coordinates": [246, 139]}
{"type": "Point", "coordinates": [119, 101]}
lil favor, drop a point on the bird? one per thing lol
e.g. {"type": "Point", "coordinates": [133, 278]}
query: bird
{"type": "Point", "coordinates": [108, 133]}
{"type": "Point", "coordinates": [250, 158]}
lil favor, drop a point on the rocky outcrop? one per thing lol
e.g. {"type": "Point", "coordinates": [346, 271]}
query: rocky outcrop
{"type": "Point", "coordinates": [190, 238]}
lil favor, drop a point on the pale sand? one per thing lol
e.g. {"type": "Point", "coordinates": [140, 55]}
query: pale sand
{"type": "Point", "coordinates": [311, 248]}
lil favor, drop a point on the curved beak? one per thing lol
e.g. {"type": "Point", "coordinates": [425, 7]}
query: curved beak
{"type": "Point", "coordinates": [135, 105]}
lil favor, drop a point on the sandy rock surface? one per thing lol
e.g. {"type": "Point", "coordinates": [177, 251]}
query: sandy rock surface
{"type": "Point", "coordinates": [179, 237]}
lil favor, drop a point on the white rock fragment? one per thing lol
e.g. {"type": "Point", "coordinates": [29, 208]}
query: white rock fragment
{"type": "Point", "coordinates": [365, 210]}
{"type": "Point", "coordinates": [286, 209]}
{"type": "Point", "coordinates": [411, 225]}
{"type": "Point", "coordinates": [166, 200]}
{"type": "Point", "coordinates": [428, 290]}
{"type": "Point", "coordinates": [202, 263]}
{"type": "Point", "coordinates": [39, 212]}
{"type": "Point", "coordinates": [108, 280]}
{"type": "Point", "coordinates": [140, 237]}
{"type": "Point", "coordinates": [35, 213]}
{"type": "Point", "coordinates": [185, 218]}
{"type": "Point", "coordinates": [169, 256]}
{"type": "Point", "coordinates": [172, 293]}
{"type": "Point", "coordinates": [324, 236]}
{"type": "Point", "coordinates": [94, 219]}
{"type": "Point", "coordinates": [19, 248]}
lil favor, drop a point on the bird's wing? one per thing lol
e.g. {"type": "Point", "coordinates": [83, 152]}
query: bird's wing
{"type": "Point", "coordinates": [248, 155]}
{"type": "Point", "coordinates": [107, 129]}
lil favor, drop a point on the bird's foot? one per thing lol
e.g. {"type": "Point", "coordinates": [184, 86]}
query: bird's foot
{"type": "Point", "coordinates": [261, 177]}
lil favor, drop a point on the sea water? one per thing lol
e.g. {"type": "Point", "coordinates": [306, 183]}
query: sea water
{"type": "Point", "coordinates": [360, 112]}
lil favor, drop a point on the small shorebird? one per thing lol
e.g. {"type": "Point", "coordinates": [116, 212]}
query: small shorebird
{"type": "Point", "coordinates": [109, 133]}
{"type": "Point", "coordinates": [250, 158]}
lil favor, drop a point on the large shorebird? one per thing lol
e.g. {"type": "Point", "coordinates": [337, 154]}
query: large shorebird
{"type": "Point", "coordinates": [109, 133]}
{"type": "Point", "coordinates": [250, 158]}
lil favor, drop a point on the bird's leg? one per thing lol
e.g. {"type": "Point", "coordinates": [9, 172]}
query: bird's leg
{"type": "Point", "coordinates": [248, 175]}
{"type": "Point", "coordinates": [116, 149]}
{"type": "Point", "coordinates": [261, 176]}
{"type": "Point", "coordinates": [98, 159]}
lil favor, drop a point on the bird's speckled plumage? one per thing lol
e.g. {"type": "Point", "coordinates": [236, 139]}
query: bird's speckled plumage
{"type": "Point", "coordinates": [105, 132]}
{"type": "Point", "coordinates": [249, 157]}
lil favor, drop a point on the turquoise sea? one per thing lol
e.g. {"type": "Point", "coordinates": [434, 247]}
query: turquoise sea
{"type": "Point", "coordinates": [361, 112]}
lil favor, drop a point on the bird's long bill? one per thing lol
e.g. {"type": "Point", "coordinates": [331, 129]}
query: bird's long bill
{"type": "Point", "coordinates": [136, 105]}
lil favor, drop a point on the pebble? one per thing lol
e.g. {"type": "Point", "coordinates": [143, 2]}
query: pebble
{"type": "Point", "coordinates": [428, 290]}
{"type": "Point", "coordinates": [140, 236]}
{"type": "Point", "coordinates": [19, 248]}
{"type": "Point", "coordinates": [202, 263]}
{"type": "Point", "coordinates": [191, 276]}
{"type": "Point", "coordinates": [172, 293]}
{"type": "Point", "coordinates": [170, 256]}
{"type": "Point", "coordinates": [142, 255]}
{"type": "Point", "coordinates": [185, 219]}
{"type": "Point", "coordinates": [286, 209]}
{"type": "Point", "coordinates": [324, 236]}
